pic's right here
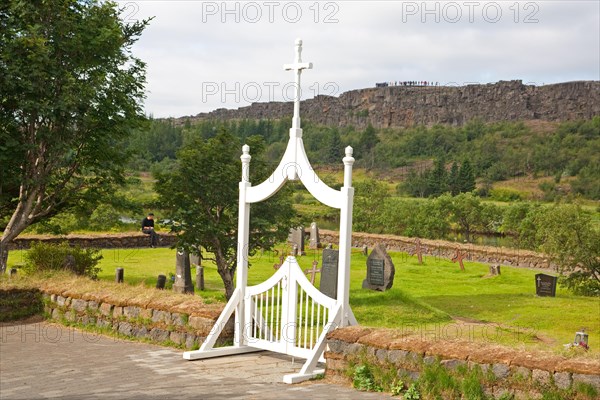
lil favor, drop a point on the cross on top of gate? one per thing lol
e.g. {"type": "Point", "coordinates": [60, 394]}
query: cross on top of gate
{"type": "Point", "coordinates": [297, 66]}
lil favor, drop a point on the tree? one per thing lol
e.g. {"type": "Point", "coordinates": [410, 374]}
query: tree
{"type": "Point", "coordinates": [567, 234]}
{"type": "Point", "coordinates": [201, 196]}
{"type": "Point", "coordinates": [71, 92]}
{"type": "Point", "coordinates": [334, 147]}
{"type": "Point", "coordinates": [438, 178]}
{"type": "Point", "coordinates": [366, 145]}
{"type": "Point", "coordinates": [369, 203]}
{"type": "Point", "coordinates": [453, 180]}
{"type": "Point", "coordinates": [466, 178]}
{"type": "Point", "coordinates": [467, 212]}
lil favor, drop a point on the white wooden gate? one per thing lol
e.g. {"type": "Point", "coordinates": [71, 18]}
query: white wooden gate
{"type": "Point", "coordinates": [286, 313]}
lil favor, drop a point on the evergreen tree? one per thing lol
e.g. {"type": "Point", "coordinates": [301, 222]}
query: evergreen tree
{"type": "Point", "coordinates": [453, 180]}
{"type": "Point", "coordinates": [335, 151]}
{"type": "Point", "coordinates": [366, 145]}
{"type": "Point", "coordinates": [438, 178]}
{"type": "Point", "coordinates": [466, 177]}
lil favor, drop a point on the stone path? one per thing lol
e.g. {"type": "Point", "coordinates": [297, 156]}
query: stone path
{"type": "Point", "coordinates": [41, 360]}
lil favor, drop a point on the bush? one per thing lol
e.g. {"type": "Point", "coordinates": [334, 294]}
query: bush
{"type": "Point", "coordinates": [54, 257]}
{"type": "Point", "coordinates": [506, 195]}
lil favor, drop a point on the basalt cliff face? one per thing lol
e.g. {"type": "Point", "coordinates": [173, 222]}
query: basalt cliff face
{"type": "Point", "coordinates": [405, 106]}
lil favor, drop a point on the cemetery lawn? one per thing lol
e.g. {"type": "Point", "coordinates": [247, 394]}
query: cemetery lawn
{"type": "Point", "coordinates": [436, 300]}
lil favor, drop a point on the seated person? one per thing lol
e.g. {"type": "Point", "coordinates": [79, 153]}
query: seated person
{"type": "Point", "coordinates": [148, 229]}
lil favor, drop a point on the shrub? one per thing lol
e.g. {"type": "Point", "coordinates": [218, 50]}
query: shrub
{"type": "Point", "coordinates": [505, 194]}
{"type": "Point", "coordinates": [53, 257]}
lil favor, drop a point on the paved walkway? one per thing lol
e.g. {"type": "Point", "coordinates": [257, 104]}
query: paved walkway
{"type": "Point", "coordinates": [42, 360]}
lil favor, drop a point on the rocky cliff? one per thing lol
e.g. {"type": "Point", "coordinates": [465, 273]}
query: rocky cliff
{"type": "Point", "coordinates": [403, 106]}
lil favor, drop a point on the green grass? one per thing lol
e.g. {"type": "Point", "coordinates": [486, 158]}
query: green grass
{"type": "Point", "coordinates": [428, 299]}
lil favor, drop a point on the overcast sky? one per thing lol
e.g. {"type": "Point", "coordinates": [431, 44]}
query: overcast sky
{"type": "Point", "coordinates": [204, 55]}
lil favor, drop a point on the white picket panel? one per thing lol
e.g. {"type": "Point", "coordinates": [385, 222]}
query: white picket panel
{"type": "Point", "coordinates": [286, 313]}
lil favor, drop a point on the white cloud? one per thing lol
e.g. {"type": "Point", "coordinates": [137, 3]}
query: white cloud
{"type": "Point", "coordinates": [188, 47]}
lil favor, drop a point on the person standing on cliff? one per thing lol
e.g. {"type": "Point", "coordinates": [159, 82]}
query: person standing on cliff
{"type": "Point", "coordinates": [148, 229]}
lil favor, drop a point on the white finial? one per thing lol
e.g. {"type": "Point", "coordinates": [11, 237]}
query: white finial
{"type": "Point", "coordinates": [349, 151]}
{"type": "Point", "coordinates": [245, 157]}
{"type": "Point", "coordinates": [348, 162]}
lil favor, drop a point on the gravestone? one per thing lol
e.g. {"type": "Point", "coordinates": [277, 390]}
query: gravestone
{"type": "Point", "coordinates": [119, 272]}
{"type": "Point", "coordinates": [296, 237]}
{"type": "Point", "coordinates": [199, 277]}
{"type": "Point", "coordinates": [278, 265]}
{"type": "Point", "coordinates": [545, 285]}
{"type": "Point", "coordinates": [161, 282]}
{"type": "Point", "coordinates": [380, 270]}
{"type": "Point", "coordinates": [183, 274]}
{"type": "Point", "coordinates": [329, 273]}
{"type": "Point", "coordinates": [195, 260]}
{"type": "Point", "coordinates": [313, 271]}
{"type": "Point", "coordinates": [495, 270]}
{"type": "Point", "coordinates": [315, 240]}
{"type": "Point", "coordinates": [459, 256]}
{"type": "Point", "coordinates": [365, 250]}
{"type": "Point", "coordinates": [418, 250]}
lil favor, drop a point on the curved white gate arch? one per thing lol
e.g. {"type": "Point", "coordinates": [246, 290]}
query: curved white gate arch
{"type": "Point", "coordinates": [286, 313]}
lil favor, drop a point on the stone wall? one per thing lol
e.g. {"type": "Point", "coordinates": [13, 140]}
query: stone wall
{"type": "Point", "coordinates": [188, 329]}
{"type": "Point", "coordinates": [100, 241]}
{"type": "Point", "coordinates": [401, 106]}
{"type": "Point", "coordinates": [432, 248]}
{"type": "Point", "coordinates": [505, 370]}
{"type": "Point", "coordinates": [447, 250]}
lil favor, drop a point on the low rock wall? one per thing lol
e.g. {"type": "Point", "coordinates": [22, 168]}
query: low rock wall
{"type": "Point", "coordinates": [523, 374]}
{"type": "Point", "coordinates": [160, 326]}
{"type": "Point", "coordinates": [430, 248]}
{"type": "Point", "coordinates": [100, 241]}
{"type": "Point", "coordinates": [447, 250]}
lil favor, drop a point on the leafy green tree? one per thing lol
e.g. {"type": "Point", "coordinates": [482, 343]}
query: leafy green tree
{"type": "Point", "coordinates": [71, 92]}
{"type": "Point", "coordinates": [415, 184]}
{"type": "Point", "coordinates": [588, 181]}
{"type": "Point", "coordinates": [467, 212]}
{"type": "Point", "coordinates": [369, 202]}
{"type": "Point", "coordinates": [200, 195]}
{"type": "Point", "coordinates": [567, 234]}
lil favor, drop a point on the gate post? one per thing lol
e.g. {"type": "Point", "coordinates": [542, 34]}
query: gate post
{"type": "Point", "coordinates": [242, 253]}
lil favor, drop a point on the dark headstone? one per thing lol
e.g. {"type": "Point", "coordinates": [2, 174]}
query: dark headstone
{"type": "Point", "coordinates": [183, 274]}
{"type": "Point", "coordinates": [296, 237]}
{"type": "Point", "coordinates": [315, 241]}
{"type": "Point", "coordinates": [119, 273]}
{"type": "Point", "coordinates": [380, 270]}
{"type": "Point", "coordinates": [161, 282]}
{"type": "Point", "coordinates": [365, 250]}
{"type": "Point", "coordinates": [329, 273]}
{"type": "Point", "coordinates": [545, 285]}
{"type": "Point", "coordinates": [13, 272]}
{"type": "Point", "coordinates": [494, 270]}
{"type": "Point", "coordinates": [199, 277]}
